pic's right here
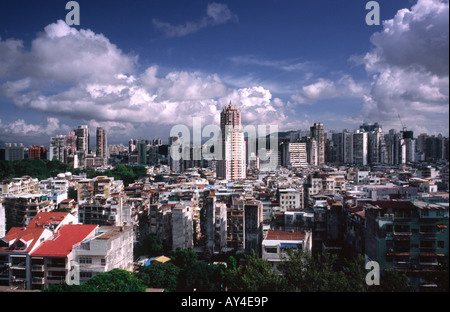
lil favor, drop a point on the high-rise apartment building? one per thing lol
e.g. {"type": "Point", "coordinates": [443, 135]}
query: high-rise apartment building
{"type": "Point", "coordinates": [83, 143]}
{"type": "Point", "coordinates": [318, 134]}
{"type": "Point", "coordinates": [360, 147]}
{"type": "Point", "coordinates": [253, 226]}
{"type": "Point", "coordinates": [64, 148]}
{"type": "Point", "coordinates": [216, 225]}
{"type": "Point", "coordinates": [37, 152]}
{"type": "Point", "coordinates": [232, 165]}
{"type": "Point", "coordinates": [297, 155]}
{"type": "Point", "coordinates": [102, 145]}
{"type": "Point", "coordinates": [14, 151]}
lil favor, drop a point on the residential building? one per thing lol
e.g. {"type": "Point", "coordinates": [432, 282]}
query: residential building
{"type": "Point", "coordinates": [53, 261]}
{"type": "Point", "coordinates": [408, 236]}
{"type": "Point", "coordinates": [253, 227]}
{"type": "Point", "coordinates": [37, 152]}
{"type": "Point", "coordinates": [290, 199]}
{"type": "Point", "coordinates": [216, 225]}
{"type": "Point", "coordinates": [182, 226]}
{"type": "Point", "coordinates": [276, 244]}
{"type": "Point", "coordinates": [19, 242]}
{"type": "Point", "coordinates": [83, 143]}
{"type": "Point", "coordinates": [360, 147]}
{"type": "Point", "coordinates": [21, 208]}
{"type": "Point", "coordinates": [14, 151]}
{"type": "Point", "coordinates": [318, 134]}
{"type": "Point", "coordinates": [232, 163]}
{"type": "Point", "coordinates": [235, 223]}
{"type": "Point", "coordinates": [298, 157]}
{"type": "Point", "coordinates": [102, 145]}
{"type": "Point", "coordinates": [111, 248]}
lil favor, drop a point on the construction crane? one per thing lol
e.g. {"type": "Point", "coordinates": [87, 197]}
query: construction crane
{"type": "Point", "coordinates": [403, 126]}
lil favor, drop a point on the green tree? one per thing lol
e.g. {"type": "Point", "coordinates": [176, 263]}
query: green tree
{"type": "Point", "coordinates": [160, 275]}
{"type": "Point", "coordinates": [306, 273]}
{"type": "Point", "coordinates": [255, 276]}
{"type": "Point", "coordinates": [392, 280]}
{"type": "Point", "coordinates": [204, 277]}
{"type": "Point", "coordinates": [151, 245]}
{"type": "Point", "coordinates": [183, 258]}
{"type": "Point", "coordinates": [116, 280]}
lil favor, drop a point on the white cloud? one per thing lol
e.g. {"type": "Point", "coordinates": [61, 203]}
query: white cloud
{"type": "Point", "coordinates": [326, 89]}
{"type": "Point", "coordinates": [216, 14]}
{"type": "Point", "coordinates": [409, 66]}
{"type": "Point", "coordinates": [20, 128]}
{"type": "Point", "coordinates": [65, 55]}
{"type": "Point", "coordinates": [99, 87]}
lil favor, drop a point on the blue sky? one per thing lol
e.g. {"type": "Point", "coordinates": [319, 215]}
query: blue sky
{"type": "Point", "coordinates": [137, 68]}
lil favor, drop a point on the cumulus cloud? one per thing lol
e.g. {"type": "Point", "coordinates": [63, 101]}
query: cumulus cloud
{"type": "Point", "coordinates": [20, 128]}
{"type": "Point", "coordinates": [65, 55]}
{"type": "Point", "coordinates": [409, 66]}
{"type": "Point", "coordinates": [326, 89]}
{"type": "Point", "coordinates": [216, 14]}
{"type": "Point", "coordinates": [82, 76]}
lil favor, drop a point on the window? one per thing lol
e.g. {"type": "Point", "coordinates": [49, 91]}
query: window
{"type": "Point", "coordinates": [424, 212]}
{"type": "Point", "coordinates": [440, 244]}
{"type": "Point", "coordinates": [271, 249]}
{"type": "Point", "coordinates": [85, 260]}
{"type": "Point", "coordinates": [103, 261]}
{"type": "Point", "coordinates": [388, 227]}
{"type": "Point", "coordinates": [85, 274]}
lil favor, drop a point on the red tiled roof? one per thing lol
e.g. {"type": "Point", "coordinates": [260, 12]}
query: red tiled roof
{"type": "Point", "coordinates": [51, 217]}
{"type": "Point", "coordinates": [61, 246]}
{"type": "Point", "coordinates": [26, 234]}
{"type": "Point", "coordinates": [284, 235]}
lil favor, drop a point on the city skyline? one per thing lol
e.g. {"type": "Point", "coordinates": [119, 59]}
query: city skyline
{"type": "Point", "coordinates": [139, 69]}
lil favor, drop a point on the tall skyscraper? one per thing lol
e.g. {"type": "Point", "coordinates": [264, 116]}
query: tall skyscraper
{"type": "Point", "coordinates": [232, 165]}
{"type": "Point", "coordinates": [318, 133]}
{"type": "Point", "coordinates": [360, 147]}
{"type": "Point", "coordinates": [83, 143]}
{"type": "Point", "coordinates": [102, 145]}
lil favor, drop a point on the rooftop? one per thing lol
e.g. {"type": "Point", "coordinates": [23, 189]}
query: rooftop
{"type": "Point", "coordinates": [62, 244]}
{"type": "Point", "coordinates": [285, 235]}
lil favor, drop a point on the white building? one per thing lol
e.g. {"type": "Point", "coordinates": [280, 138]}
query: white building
{"type": "Point", "coordinates": [290, 199]}
{"type": "Point", "coordinates": [182, 228]}
{"type": "Point", "coordinates": [276, 244]}
{"type": "Point", "coordinates": [112, 248]}
{"type": "Point", "coordinates": [297, 155]}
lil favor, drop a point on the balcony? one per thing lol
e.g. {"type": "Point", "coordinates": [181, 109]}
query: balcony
{"type": "Point", "coordinates": [19, 265]}
{"type": "Point", "coordinates": [37, 280]}
{"type": "Point", "coordinates": [402, 235]}
{"type": "Point", "coordinates": [37, 267]}
{"type": "Point", "coordinates": [428, 235]}
{"type": "Point", "coordinates": [402, 264]}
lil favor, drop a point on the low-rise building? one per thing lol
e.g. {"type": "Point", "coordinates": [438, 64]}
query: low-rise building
{"type": "Point", "coordinates": [19, 242]}
{"type": "Point", "coordinates": [276, 244]}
